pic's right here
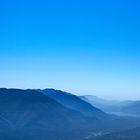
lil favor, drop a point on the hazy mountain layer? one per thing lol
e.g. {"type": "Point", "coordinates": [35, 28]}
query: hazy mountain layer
{"type": "Point", "coordinates": [121, 108]}
{"type": "Point", "coordinates": [73, 102]}
{"type": "Point", "coordinates": [55, 115]}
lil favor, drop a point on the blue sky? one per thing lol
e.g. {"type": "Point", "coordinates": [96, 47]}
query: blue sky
{"type": "Point", "coordinates": [81, 46]}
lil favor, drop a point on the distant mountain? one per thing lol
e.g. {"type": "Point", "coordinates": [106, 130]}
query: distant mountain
{"type": "Point", "coordinates": [133, 107]}
{"type": "Point", "coordinates": [73, 102]}
{"type": "Point", "coordinates": [121, 108]}
{"type": "Point", "coordinates": [105, 121]}
{"type": "Point", "coordinates": [105, 105]}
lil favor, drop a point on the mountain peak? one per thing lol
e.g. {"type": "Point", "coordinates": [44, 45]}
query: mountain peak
{"type": "Point", "coordinates": [73, 102]}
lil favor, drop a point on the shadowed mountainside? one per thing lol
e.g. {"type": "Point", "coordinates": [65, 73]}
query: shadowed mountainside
{"type": "Point", "coordinates": [73, 102]}
{"type": "Point", "coordinates": [31, 114]}
{"type": "Point", "coordinates": [28, 114]}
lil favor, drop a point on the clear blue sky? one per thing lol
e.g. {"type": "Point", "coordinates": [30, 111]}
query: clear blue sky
{"type": "Point", "coordinates": [81, 46]}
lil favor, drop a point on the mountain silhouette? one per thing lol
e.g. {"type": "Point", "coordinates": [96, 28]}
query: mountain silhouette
{"type": "Point", "coordinates": [73, 102]}
{"type": "Point", "coordinates": [28, 114]}
{"type": "Point", "coordinates": [121, 108]}
{"type": "Point", "coordinates": [54, 115]}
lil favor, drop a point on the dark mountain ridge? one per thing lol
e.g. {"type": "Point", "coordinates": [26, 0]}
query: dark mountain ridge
{"type": "Point", "coordinates": [32, 114]}
{"type": "Point", "coordinates": [73, 102]}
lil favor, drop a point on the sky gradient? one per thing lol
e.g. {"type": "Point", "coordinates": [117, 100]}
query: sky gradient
{"type": "Point", "coordinates": [80, 46]}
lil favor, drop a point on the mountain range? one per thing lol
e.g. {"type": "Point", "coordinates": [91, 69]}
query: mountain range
{"type": "Point", "coordinates": [55, 115]}
{"type": "Point", "coordinates": [121, 108]}
{"type": "Point", "coordinates": [73, 102]}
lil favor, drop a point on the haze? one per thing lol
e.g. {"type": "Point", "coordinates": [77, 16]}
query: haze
{"type": "Point", "coordinates": [83, 47]}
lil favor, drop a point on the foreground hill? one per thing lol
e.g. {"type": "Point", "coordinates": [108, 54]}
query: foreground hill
{"type": "Point", "coordinates": [28, 114]}
{"type": "Point", "coordinates": [133, 134]}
